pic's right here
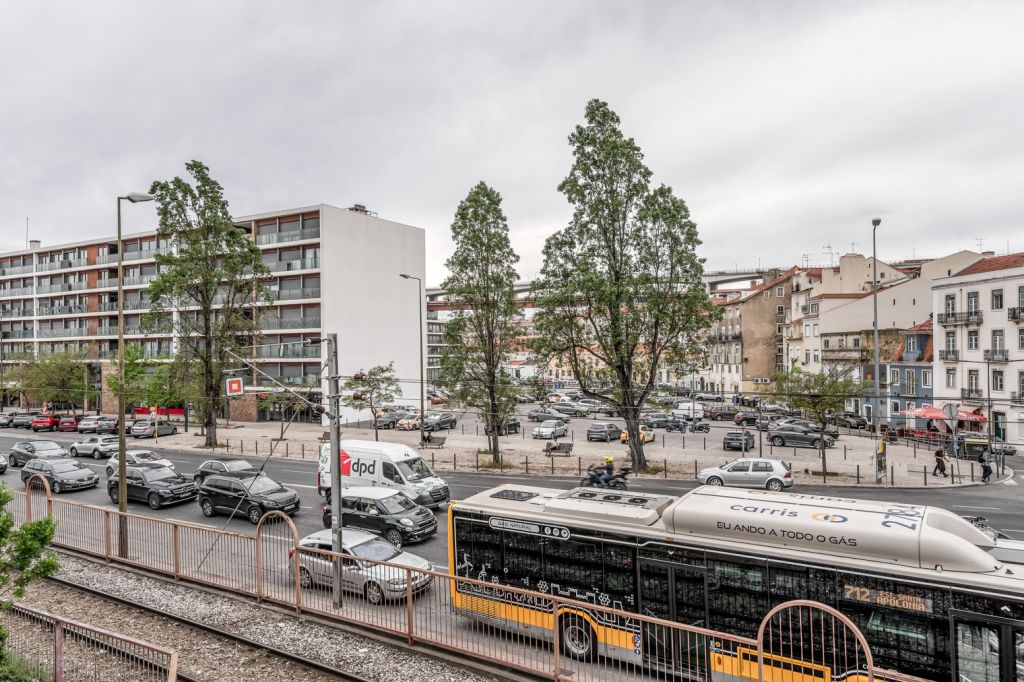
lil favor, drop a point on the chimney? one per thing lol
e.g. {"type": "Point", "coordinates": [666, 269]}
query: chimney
{"type": "Point", "coordinates": [358, 208]}
{"type": "Point", "coordinates": [34, 245]}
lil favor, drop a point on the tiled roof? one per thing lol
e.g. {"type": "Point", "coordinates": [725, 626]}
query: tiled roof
{"type": "Point", "coordinates": [993, 263]}
{"type": "Point", "coordinates": [860, 294]}
{"type": "Point", "coordinates": [925, 326]}
{"type": "Point", "coordinates": [768, 285]}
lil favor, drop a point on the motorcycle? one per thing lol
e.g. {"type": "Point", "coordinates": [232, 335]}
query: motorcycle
{"type": "Point", "coordinates": [617, 481]}
{"type": "Point", "coordinates": [700, 427]}
{"type": "Point", "coordinates": [680, 425]}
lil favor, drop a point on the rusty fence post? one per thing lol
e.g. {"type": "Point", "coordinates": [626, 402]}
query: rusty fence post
{"type": "Point", "coordinates": [408, 607]}
{"type": "Point", "coordinates": [177, 551]}
{"type": "Point", "coordinates": [58, 650]}
{"type": "Point", "coordinates": [106, 536]}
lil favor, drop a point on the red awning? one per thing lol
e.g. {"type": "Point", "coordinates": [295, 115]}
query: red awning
{"type": "Point", "coordinates": [926, 413]}
{"type": "Point", "coordinates": [970, 417]}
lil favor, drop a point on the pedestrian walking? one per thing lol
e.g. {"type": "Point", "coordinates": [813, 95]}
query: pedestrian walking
{"type": "Point", "coordinates": [986, 465]}
{"type": "Point", "coordinates": [940, 463]}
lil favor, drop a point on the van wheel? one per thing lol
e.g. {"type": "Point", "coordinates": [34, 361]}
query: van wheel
{"type": "Point", "coordinates": [577, 639]}
{"type": "Point", "coordinates": [774, 485]}
{"type": "Point", "coordinates": [394, 537]}
{"type": "Point", "coordinates": [778, 442]}
{"type": "Point", "coordinates": [374, 594]}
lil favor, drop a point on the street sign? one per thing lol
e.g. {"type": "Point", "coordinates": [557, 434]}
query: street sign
{"type": "Point", "coordinates": [235, 387]}
{"type": "Point", "coordinates": [950, 411]}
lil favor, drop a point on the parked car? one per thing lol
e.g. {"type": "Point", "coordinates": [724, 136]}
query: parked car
{"type": "Point", "coordinates": [251, 494]}
{"type": "Point", "coordinates": [28, 450]}
{"type": "Point", "coordinates": [23, 420]}
{"type": "Point", "coordinates": [386, 512]}
{"type": "Point", "coordinates": [656, 420]}
{"type": "Point", "coordinates": [999, 446]}
{"type": "Point", "coordinates": [6, 419]}
{"type": "Point", "coordinates": [647, 435]}
{"type": "Point", "coordinates": [556, 397]}
{"type": "Point", "coordinates": [738, 440]}
{"type": "Point", "coordinates": [61, 474]}
{"type": "Point", "coordinates": [708, 397]}
{"type": "Point", "coordinates": [544, 413]}
{"type": "Point", "coordinates": [831, 430]}
{"type": "Point", "coordinates": [745, 418]}
{"type": "Point", "coordinates": [795, 434]}
{"type": "Point", "coordinates": [551, 428]}
{"type": "Point", "coordinates": [3, 463]}
{"type": "Point", "coordinates": [765, 422]}
{"type": "Point", "coordinates": [721, 412]}
{"type": "Point", "coordinates": [437, 422]}
{"type": "Point", "coordinates": [390, 420]}
{"type": "Point", "coordinates": [153, 484]}
{"type": "Point", "coordinates": [220, 466]}
{"type": "Point", "coordinates": [88, 423]}
{"type": "Point", "coordinates": [148, 428]}
{"type": "Point", "coordinates": [850, 420]}
{"type": "Point", "coordinates": [571, 409]}
{"type": "Point", "coordinates": [110, 425]}
{"type": "Point", "coordinates": [772, 474]}
{"type": "Point", "coordinates": [524, 398]}
{"type": "Point", "coordinates": [411, 423]}
{"type": "Point", "coordinates": [97, 446]}
{"type": "Point", "coordinates": [45, 422]}
{"type": "Point", "coordinates": [138, 457]}
{"type": "Point", "coordinates": [604, 431]}
{"type": "Point", "coordinates": [772, 408]}
{"type": "Point", "coordinates": [591, 404]}
{"type": "Point", "coordinates": [68, 423]}
{"type": "Point", "coordinates": [377, 583]}
{"type": "Point", "coordinates": [511, 425]}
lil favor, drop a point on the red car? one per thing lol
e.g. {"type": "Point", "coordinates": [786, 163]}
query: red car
{"type": "Point", "coordinates": [68, 423]}
{"type": "Point", "coordinates": [45, 422]}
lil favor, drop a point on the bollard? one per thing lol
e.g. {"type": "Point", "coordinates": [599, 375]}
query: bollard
{"type": "Point", "coordinates": [684, 442]}
{"type": "Point", "coordinates": [858, 474]}
{"type": "Point", "coordinates": [572, 439]}
{"type": "Point", "coordinates": [705, 442]}
{"type": "Point", "coordinates": [303, 451]}
{"type": "Point", "coordinates": [241, 448]}
{"type": "Point", "coordinates": [924, 470]}
{"type": "Point", "coordinates": [477, 426]}
{"type": "Point", "coordinates": [892, 475]}
{"type": "Point", "coordinates": [552, 466]}
{"type": "Point", "coordinates": [844, 452]}
{"type": "Point", "coordinates": [664, 463]}
{"type": "Point", "coordinates": [579, 466]}
{"type": "Point", "coordinates": [256, 443]}
{"type": "Point", "coordinates": [432, 461]}
{"type": "Point", "coordinates": [528, 464]}
{"type": "Point", "coordinates": [915, 450]}
{"type": "Point", "coordinates": [501, 464]}
{"type": "Point", "coordinates": [455, 461]}
{"type": "Point", "coordinates": [794, 451]}
{"type": "Point", "coordinates": [286, 448]}
{"type": "Point", "coordinates": [463, 428]}
{"type": "Point", "coordinates": [478, 461]}
{"type": "Point", "coordinates": [972, 472]}
{"type": "Point", "coordinates": [663, 441]}
{"type": "Point", "coordinates": [695, 470]}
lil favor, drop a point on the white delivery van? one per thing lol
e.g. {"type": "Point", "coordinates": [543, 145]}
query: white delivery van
{"type": "Point", "coordinates": [385, 465]}
{"type": "Point", "coordinates": [688, 410]}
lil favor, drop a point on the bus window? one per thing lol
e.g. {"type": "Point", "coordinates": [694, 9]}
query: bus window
{"type": "Point", "coordinates": [620, 575]}
{"type": "Point", "coordinates": [478, 550]}
{"type": "Point", "coordinates": [524, 562]}
{"type": "Point", "coordinates": [574, 568]}
{"type": "Point", "coordinates": [788, 581]}
{"type": "Point", "coordinates": [737, 595]}
{"type": "Point", "coordinates": [977, 652]}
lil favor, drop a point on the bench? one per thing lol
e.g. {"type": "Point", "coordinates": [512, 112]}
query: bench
{"type": "Point", "coordinates": [557, 449]}
{"type": "Point", "coordinates": [434, 442]}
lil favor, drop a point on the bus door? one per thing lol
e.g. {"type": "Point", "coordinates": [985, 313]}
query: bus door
{"type": "Point", "coordinates": [987, 648]}
{"type": "Point", "coordinates": [676, 593]}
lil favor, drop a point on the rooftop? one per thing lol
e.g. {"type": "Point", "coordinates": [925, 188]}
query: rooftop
{"type": "Point", "coordinates": [994, 263]}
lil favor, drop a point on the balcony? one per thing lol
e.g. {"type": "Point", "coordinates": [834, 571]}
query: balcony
{"type": "Point", "coordinates": [970, 393]}
{"type": "Point", "coordinates": [1017, 398]}
{"type": "Point", "coordinates": [297, 264]}
{"type": "Point", "coordinates": [305, 380]}
{"type": "Point", "coordinates": [16, 270]}
{"type": "Point", "coordinates": [61, 265]}
{"type": "Point", "coordinates": [293, 236]}
{"type": "Point", "coordinates": [74, 309]}
{"type": "Point", "coordinates": [61, 333]}
{"type": "Point", "coordinates": [290, 323]}
{"type": "Point", "coordinates": [138, 279]}
{"type": "Point", "coordinates": [950, 319]}
{"type": "Point", "coordinates": [1015, 314]}
{"type": "Point", "coordinates": [60, 287]}
{"type": "Point", "coordinates": [21, 291]}
{"type": "Point", "coordinates": [18, 334]}
{"type": "Point", "coordinates": [288, 351]}
{"type": "Point", "coordinates": [17, 312]}
{"type": "Point", "coordinates": [145, 254]}
{"type": "Point", "coordinates": [105, 283]}
{"type": "Point", "coordinates": [997, 355]}
{"type": "Point", "coordinates": [950, 355]}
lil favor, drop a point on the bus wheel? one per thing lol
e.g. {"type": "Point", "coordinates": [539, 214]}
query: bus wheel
{"type": "Point", "coordinates": [578, 641]}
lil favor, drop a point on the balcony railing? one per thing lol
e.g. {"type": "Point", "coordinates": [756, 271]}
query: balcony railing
{"type": "Point", "coordinates": [290, 323]}
{"type": "Point", "coordinates": [61, 265]}
{"type": "Point", "coordinates": [297, 264]}
{"type": "Point", "coordinates": [997, 355]}
{"type": "Point", "coordinates": [21, 291]}
{"type": "Point", "coordinates": [109, 282]}
{"type": "Point", "coordinates": [60, 286]}
{"type": "Point", "coordinates": [1015, 314]}
{"type": "Point", "coordinates": [17, 312]}
{"type": "Point", "coordinates": [75, 309]}
{"type": "Point", "coordinates": [138, 279]}
{"type": "Point", "coordinates": [62, 333]}
{"type": "Point", "coordinates": [305, 380]}
{"type": "Point", "coordinates": [1017, 398]}
{"type": "Point", "coordinates": [970, 317]}
{"type": "Point", "coordinates": [18, 334]}
{"type": "Point", "coordinates": [951, 355]}
{"type": "Point", "coordinates": [288, 351]}
{"type": "Point", "coordinates": [970, 393]}
{"type": "Point", "coordinates": [145, 254]}
{"type": "Point", "coordinates": [293, 236]}
{"type": "Point", "coordinates": [16, 270]}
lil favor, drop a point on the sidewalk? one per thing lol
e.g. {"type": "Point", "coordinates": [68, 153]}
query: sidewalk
{"type": "Point", "coordinates": [672, 456]}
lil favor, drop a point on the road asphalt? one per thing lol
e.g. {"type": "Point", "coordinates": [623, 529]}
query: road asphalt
{"type": "Point", "coordinates": [999, 503]}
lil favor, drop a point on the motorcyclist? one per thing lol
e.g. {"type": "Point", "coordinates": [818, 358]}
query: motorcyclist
{"type": "Point", "coordinates": [608, 471]}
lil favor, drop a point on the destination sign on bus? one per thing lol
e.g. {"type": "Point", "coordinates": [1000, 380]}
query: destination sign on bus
{"type": "Point", "coordinates": [518, 526]}
{"type": "Point", "coordinates": [907, 602]}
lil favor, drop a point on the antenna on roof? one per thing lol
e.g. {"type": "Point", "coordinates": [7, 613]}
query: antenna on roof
{"type": "Point", "coordinates": [981, 244]}
{"type": "Point", "coordinates": [828, 250]}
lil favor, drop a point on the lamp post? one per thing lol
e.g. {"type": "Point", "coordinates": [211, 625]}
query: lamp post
{"type": "Point", "coordinates": [874, 301]}
{"type": "Point", "coordinates": [122, 485]}
{"type": "Point", "coordinates": [423, 383]}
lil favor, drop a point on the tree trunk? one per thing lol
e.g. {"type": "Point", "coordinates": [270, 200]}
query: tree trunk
{"type": "Point", "coordinates": [822, 446]}
{"type": "Point", "coordinates": [211, 413]}
{"type": "Point", "coordinates": [636, 445]}
{"type": "Point", "coordinates": [376, 432]}
{"type": "Point", "coordinates": [492, 421]}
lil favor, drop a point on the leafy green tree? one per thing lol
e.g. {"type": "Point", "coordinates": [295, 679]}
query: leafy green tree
{"type": "Point", "coordinates": [620, 292]}
{"type": "Point", "coordinates": [214, 279]}
{"type": "Point", "coordinates": [57, 378]}
{"type": "Point", "coordinates": [372, 390]}
{"type": "Point", "coordinates": [288, 403]}
{"type": "Point", "coordinates": [134, 374]}
{"type": "Point", "coordinates": [484, 329]}
{"type": "Point", "coordinates": [818, 395]}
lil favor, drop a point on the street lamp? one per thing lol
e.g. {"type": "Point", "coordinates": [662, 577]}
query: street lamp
{"type": "Point", "coordinates": [874, 300]}
{"type": "Point", "coordinates": [122, 485]}
{"type": "Point", "coordinates": [423, 383]}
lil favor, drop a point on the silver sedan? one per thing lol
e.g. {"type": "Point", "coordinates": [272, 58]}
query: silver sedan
{"type": "Point", "coordinates": [772, 474]}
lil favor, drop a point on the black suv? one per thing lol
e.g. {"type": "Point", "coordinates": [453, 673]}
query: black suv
{"type": "Point", "coordinates": [656, 420]}
{"type": "Point", "coordinates": [251, 494]}
{"type": "Point", "coordinates": [387, 512]}
{"type": "Point", "coordinates": [850, 420]}
{"type": "Point", "coordinates": [436, 422]}
{"type": "Point", "coordinates": [153, 484]}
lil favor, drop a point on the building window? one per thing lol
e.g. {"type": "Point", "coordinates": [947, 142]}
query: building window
{"type": "Point", "coordinates": [815, 356]}
{"type": "Point", "coordinates": [972, 302]}
{"type": "Point", "coordinates": [997, 380]}
{"type": "Point", "coordinates": [951, 341]}
{"type": "Point", "coordinates": [911, 344]}
{"type": "Point", "coordinates": [972, 340]}
{"type": "Point", "coordinates": [950, 304]}
{"type": "Point", "coordinates": [767, 294]}
{"type": "Point", "coordinates": [778, 329]}
{"type": "Point", "coordinates": [895, 407]}
{"type": "Point", "coordinates": [807, 330]}
{"type": "Point", "coordinates": [972, 379]}
{"type": "Point", "coordinates": [780, 310]}
{"type": "Point", "coordinates": [998, 340]}
{"type": "Point", "coordinates": [856, 342]}
{"type": "Point", "coordinates": [910, 381]}
{"type": "Point", "coordinates": [1020, 338]}
{"type": "Point", "coordinates": [815, 330]}
{"type": "Point", "coordinates": [780, 292]}
{"type": "Point", "coordinates": [926, 378]}
{"type": "Point", "coordinates": [950, 378]}
{"type": "Point", "coordinates": [824, 344]}
{"type": "Point", "coordinates": [997, 299]}
{"type": "Point", "coordinates": [894, 377]}
{"type": "Point", "coordinates": [1020, 297]}
{"type": "Point", "coordinates": [807, 357]}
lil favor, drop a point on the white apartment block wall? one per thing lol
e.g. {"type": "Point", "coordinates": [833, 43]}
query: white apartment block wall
{"type": "Point", "coordinates": [854, 275]}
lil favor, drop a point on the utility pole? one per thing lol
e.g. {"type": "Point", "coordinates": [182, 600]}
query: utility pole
{"type": "Point", "coordinates": [878, 386]}
{"type": "Point", "coordinates": [334, 398]}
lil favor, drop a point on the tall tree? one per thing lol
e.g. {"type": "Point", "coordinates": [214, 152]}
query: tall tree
{"type": "Point", "coordinates": [213, 279]}
{"type": "Point", "coordinates": [485, 328]}
{"type": "Point", "coordinates": [819, 395]}
{"type": "Point", "coordinates": [57, 378]}
{"type": "Point", "coordinates": [620, 293]}
{"type": "Point", "coordinates": [134, 374]}
{"type": "Point", "coordinates": [372, 390]}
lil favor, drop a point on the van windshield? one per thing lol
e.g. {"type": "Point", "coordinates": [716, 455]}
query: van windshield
{"type": "Point", "coordinates": [415, 469]}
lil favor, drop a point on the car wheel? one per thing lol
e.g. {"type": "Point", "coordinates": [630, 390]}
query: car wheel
{"type": "Point", "coordinates": [394, 537]}
{"type": "Point", "coordinates": [374, 594]}
{"type": "Point", "coordinates": [326, 520]}
{"type": "Point", "coordinates": [174, 431]}
{"type": "Point", "coordinates": [207, 508]}
{"type": "Point", "coordinates": [775, 485]}
{"type": "Point", "coordinates": [56, 488]}
{"type": "Point", "coordinates": [715, 482]}
{"type": "Point", "coordinates": [153, 500]}
{"type": "Point", "coordinates": [254, 514]}
{"type": "Point", "coordinates": [816, 443]}
{"type": "Point", "coordinates": [110, 471]}
{"type": "Point", "coordinates": [305, 579]}
{"type": "Point", "coordinates": [778, 442]}
{"type": "Point", "coordinates": [96, 454]}
{"type": "Point", "coordinates": [74, 452]}
{"type": "Point", "coordinates": [577, 639]}
{"type": "Point", "coordinates": [112, 494]}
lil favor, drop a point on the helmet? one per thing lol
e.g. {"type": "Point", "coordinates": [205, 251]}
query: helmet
{"type": "Point", "coordinates": [609, 459]}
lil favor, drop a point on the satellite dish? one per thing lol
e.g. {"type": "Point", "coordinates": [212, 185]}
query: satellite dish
{"type": "Point", "coordinates": [950, 411]}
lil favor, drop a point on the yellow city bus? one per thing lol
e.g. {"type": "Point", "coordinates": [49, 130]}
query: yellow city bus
{"type": "Point", "coordinates": [934, 596]}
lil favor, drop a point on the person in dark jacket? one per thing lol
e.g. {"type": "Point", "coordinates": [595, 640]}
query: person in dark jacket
{"type": "Point", "coordinates": [940, 463]}
{"type": "Point", "coordinates": [986, 465]}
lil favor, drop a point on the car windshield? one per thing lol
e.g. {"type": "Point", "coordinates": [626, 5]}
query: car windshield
{"type": "Point", "coordinates": [396, 504]}
{"type": "Point", "coordinates": [160, 474]}
{"type": "Point", "coordinates": [110, 440]}
{"type": "Point", "coordinates": [415, 469]}
{"type": "Point", "coordinates": [65, 467]}
{"type": "Point", "coordinates": [238, 465]}
{"type": "Point", "coordinates": [263, 484]}
{"type": "Point", "coordinates": [376, 549]}
{"type": "Point", "coordinates": [46, 445]}
{"type": "Point", "coordinates": [550, 424]}
{"type": "Point", "coordinates": [146, 457]}
{"type": "Point", "coordinates": [598, 427]}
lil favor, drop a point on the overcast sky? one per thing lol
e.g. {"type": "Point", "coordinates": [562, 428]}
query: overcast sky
{"type": "Point", "coordinates": [785, 126]}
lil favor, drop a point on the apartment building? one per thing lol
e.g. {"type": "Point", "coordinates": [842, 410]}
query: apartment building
{"type": "Point", "coordinates": [979, 332]}
{"type": "Point", "coordinates": [56, 298]}
{"type": "Point", "coordinates": [906, 371]}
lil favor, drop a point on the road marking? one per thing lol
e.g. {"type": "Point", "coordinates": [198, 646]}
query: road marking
{"type": "Point", "coordinates": [1009, 481]}
{"type": "Point", "coordinates": [298, 471]}
{"type": "Point", "coordinates": [970, 507]}
{"type": "Point", "coordinates": [298, 485]}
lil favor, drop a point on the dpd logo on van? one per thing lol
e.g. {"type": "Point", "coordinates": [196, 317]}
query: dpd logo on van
{"type": "Point", "coordinates": [356, 467]}
{"type": "Point", "coordinates": [346, 464]}
{"type": "Point", "coordinates": [829, 518]}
